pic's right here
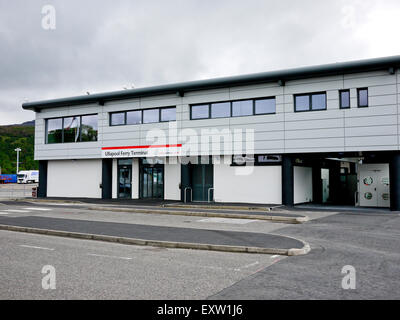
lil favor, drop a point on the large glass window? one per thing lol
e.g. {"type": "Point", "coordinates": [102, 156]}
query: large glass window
{"type": "Point", "coordinates": [168, 114]}
{"type": "Point", "coordinates": [54, 130]}
{"type": "Point", "coordinates": [134, 117]}
{"type": "Point", "coordinates": [151, 115]}
{"type": "Point", "coordinates": [344, 96]}
{"type": "Point", "coordinates": [265, 106]}
{"type": "Point", "coordinates": [242, 108]}
{"type": "Point", "coordinates": [309, 102]}
{"type": "Point", "coordinates": [200, 111]}
{"type": "Point", "coordinates": [362, 97]}
{"type": "Point", "coordinates": [117, 118]}
{"type": "Point", "coordinates": [221, 110]}
{"type": "Point", "coordinates": [89, 128]}
{"type": "Point", "coordinates": [72, 129]}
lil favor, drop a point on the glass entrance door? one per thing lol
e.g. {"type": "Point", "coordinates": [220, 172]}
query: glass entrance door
{"type": "Point", "coordinates": [125, 182]}
{"type": "Point", "coordinates": [152, 181]}
{"type": "Point", "coordinates": [202, 179]}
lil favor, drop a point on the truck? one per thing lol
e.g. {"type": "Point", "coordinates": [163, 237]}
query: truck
{"type": "Point", "coordinates": [31, 176]}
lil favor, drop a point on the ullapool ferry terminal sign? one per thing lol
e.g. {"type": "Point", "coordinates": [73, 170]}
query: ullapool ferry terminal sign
{"type": "Point", "coordinates": [165, 150]}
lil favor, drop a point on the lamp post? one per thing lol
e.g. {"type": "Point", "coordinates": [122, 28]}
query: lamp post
{"type": "Point", "coordinates": [18, 150]}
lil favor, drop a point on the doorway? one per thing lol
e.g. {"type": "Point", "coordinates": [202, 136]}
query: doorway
{"type": "Point", "coordinates": [125, 179]}
{"type": "Point", "coordinates": [202, 182]}
{"type": "Point", "coordinates": [151, 181]}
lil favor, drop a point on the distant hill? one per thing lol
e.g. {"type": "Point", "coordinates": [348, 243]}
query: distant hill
{"type": "Point", "coordinates": [17, 136]}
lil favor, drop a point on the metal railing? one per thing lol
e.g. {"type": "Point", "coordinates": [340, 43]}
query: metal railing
{"type": "Point", "coordinates": [208, 194]}
{"type": "Point", "coordinates": [191, 194]}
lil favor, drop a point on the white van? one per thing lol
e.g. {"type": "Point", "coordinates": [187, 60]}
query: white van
{"type": "Point", "coordinates": [31, 176]}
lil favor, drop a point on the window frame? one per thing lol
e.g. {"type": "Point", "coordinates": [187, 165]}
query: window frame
{"type": "Point", "coordinates": [220, 102]}
{"type": "Point", "coordinates": [200, 104]}
{"type": "Point", "coordinates": [142, 110]}
{"type": "Point", "coordinates": [358, 97]}
{"type": "Point", "coordinates": [148, 109]}
{"type": "Point", "coordinates": [310, 101]}
{"type": "Point", "coordinates": [62, 127]}
{"type": "Point", "coordinates": [254, 106]}
{"type": "Point", "coordinates": [116, 125]}
{"type": "Point", "coordinates": [253, 100]}
{"type": "Point", "coordinates": [340, 99]}
{"type": "Point", "coordinates": [161, 114]}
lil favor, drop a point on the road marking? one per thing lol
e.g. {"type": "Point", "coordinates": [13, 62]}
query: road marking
{"type": "Point", "coordinates": [33, 247]}
{"type": "Point", "coordinates": [106, 256]}
{"type": "Point", "coordinates": [16, 211]}
{"type": "Point", "coordinates": [39, 209]}
{"type": "Point", "coordinates": [226, 220]}
{"type": "Point", "coordinates": [4, 213]}
{"type": "Point", "coordinates": [275, 256]}
{"type": "Point", "coordinates": [247, 266]}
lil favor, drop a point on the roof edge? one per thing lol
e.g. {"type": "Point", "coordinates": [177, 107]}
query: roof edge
{"type": "Point", "coordinates": [214, 83]}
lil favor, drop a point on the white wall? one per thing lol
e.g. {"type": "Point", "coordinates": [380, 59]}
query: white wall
{"type": "Point", "coordinates": [135, 178]}
{"type": "Point", "coordinates": [74, 178]}
{"type": "Point", "coordinates": [115, 179]}
{"type": "Point", "coordinates": [172, 178]}
{"type": "Point", "coordinates": [238, 184]}
{"type": "Point", "coordinates": [303, 190]}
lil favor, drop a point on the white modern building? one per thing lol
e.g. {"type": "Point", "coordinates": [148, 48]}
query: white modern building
{"type": "Point", "coordinates": [323, 134]}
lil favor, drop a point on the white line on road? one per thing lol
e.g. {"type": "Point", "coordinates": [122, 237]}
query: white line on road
{"type": "Point", "coordinates": [39, 209]}
{"type": "Point", "coordinates": [4, 213]}
{"type": "Point", "coordinates": [247, 266]}
{"type": "Point", "coordinates": [16, 211]}
{"type": "Point", "coordinates": [275, 256]}
{"type": "Point", "coordinates": [106, 256]}
{"type": "Point", "coordinates": [226, 220]}
{"type": "Point", "coordinates": [33, 247]}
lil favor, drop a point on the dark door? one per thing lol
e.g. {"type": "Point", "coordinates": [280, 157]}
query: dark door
{"type": "Point", "coordinates": [125, 182]}
{"type": "Point", "coordinates": [202, 181]}
{"type": "Point", "coordinates": [152, 181]}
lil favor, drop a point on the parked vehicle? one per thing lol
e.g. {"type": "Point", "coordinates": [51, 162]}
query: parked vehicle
{"type": "Point", "coordinates": [31, 176]}
{"type": "Point", "coordinates": [8, 178]}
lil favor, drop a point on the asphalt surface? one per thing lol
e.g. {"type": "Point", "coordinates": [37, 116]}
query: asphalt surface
{"type": "Point", "coordinates": [370, 242]}
{"type": "Point", "coordinates": [149, 232]}
{"type": "Point", "coordinates": [100, 270]}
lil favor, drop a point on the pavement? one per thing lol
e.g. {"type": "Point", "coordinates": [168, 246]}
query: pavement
{"type": "Point", "coordinates": [23, 216]}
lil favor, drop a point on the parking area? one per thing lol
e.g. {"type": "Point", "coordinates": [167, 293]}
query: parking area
{"type": "Point", "coordinates": [16, 191]}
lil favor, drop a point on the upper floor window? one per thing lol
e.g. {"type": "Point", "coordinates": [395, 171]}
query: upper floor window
{"type": "Point", "coordinates": [242, 108]}
{"type": "Point", "coordinates": [236, 108]}
{"type": "Point", "coordinates": [310, 102]}
{"type": "Point", "coordinates": [168, 114]}
{"type": "Point", "coordinates": [265, 106]}
{"type": "Point", "coordinates": [153, 115]}
{"type": "Point", "coordinates": [362, 97]}
{"type": "Point", "coordinates": [221, 110]}
{"type": "Point", "coordinates": [200, 111]}
{"type": "Point", "coordinates": [72, 129]}
{"type": "Point", "coordinates": [344, 99]}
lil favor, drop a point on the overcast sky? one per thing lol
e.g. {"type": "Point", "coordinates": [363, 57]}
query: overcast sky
{"type": "Point", "coordinates": [105, 45]}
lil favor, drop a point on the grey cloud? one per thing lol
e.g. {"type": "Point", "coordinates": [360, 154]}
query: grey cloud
{"type": "Point", "coordinates": [104, 45]}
